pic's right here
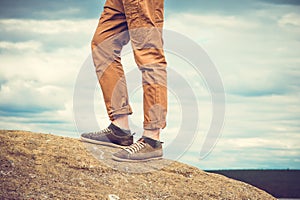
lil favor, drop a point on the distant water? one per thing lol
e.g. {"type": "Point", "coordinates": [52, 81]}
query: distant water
{"type": "Point", "coordinates": [279, 183]}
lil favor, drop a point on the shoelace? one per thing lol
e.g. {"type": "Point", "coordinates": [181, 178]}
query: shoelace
{"type": "Point", "coordinates": [136, 147]}
{"type": "Point", "coordinates": [106, 130]}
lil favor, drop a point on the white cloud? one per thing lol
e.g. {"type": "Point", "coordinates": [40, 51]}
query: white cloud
{"type": "Point", "coordinates": [257, 56]}
{"type": "Point", "coordinates": [58, 68]}
{"type": "Point", "coordinates": [252, 59]}
{"type": "Point", "coordinates": [21, 46]}
{"type": "Point", "coordinates": [26, 95]}
{"type": "Point", "coordinates": [37, 84]}
{"type": "Point", "coordinates": [217, 21]}
{"type": "Point", "coordinates": [63, 12]}
{"type": "Point", "coordinates": [264, 143]}
{"type": "Point", "coordinates": [290, 19]}
{"type": "Point", "coordinates": [48, 27]}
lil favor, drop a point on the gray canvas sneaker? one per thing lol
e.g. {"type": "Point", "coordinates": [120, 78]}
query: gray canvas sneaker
{"type": "Point", "coordinates": [144, 149]}
{"type": "Point", "coordinates": [111, 136]}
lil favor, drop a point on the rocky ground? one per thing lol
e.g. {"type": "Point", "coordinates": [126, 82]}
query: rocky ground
{"type": "Point", "coordinates": [44, 166]}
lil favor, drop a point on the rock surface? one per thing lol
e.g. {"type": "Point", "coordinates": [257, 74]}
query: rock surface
{"type": "Point", "coordinates": [44, 166]}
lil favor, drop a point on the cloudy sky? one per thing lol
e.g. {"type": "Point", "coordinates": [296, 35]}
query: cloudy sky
{"type": "Point", "coordinates": [254, 44]}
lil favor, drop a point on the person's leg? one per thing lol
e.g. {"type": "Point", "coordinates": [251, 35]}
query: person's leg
{"type": "Point", "coordinates": [145, 22]}
{"type": "Point", "coordinates": [109, 38]}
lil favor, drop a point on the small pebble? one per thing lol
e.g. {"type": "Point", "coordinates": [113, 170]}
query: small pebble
{"type": "Point", "coordinates": [113, 197]}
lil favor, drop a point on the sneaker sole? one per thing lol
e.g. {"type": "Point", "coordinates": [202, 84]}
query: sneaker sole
{"type": "Point", "coordinates": [109, 144]}
{"type": "Point", "coordinates": [129, 160]}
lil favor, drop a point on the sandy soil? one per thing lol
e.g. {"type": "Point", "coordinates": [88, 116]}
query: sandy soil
{"type": "Point", "coordinates": [44, 166]}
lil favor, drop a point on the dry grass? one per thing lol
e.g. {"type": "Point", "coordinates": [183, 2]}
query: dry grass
{"type": "Point", "coordinates": [43, 166]}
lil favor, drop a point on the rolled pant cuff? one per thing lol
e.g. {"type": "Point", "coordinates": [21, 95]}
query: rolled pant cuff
{"type": "Point", "coordinates": [122, 111]}
{"type": "Point", "coordinates": [153, 125]}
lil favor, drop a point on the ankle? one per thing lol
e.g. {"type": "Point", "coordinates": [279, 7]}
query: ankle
{"type": "Point", "coordinates": [122, 122]}
{"type": "Point", "coordinates": [153, 134]}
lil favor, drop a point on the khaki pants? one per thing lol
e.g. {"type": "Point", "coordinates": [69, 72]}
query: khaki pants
{"type": "Point", "coordinates": [141, 22]}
